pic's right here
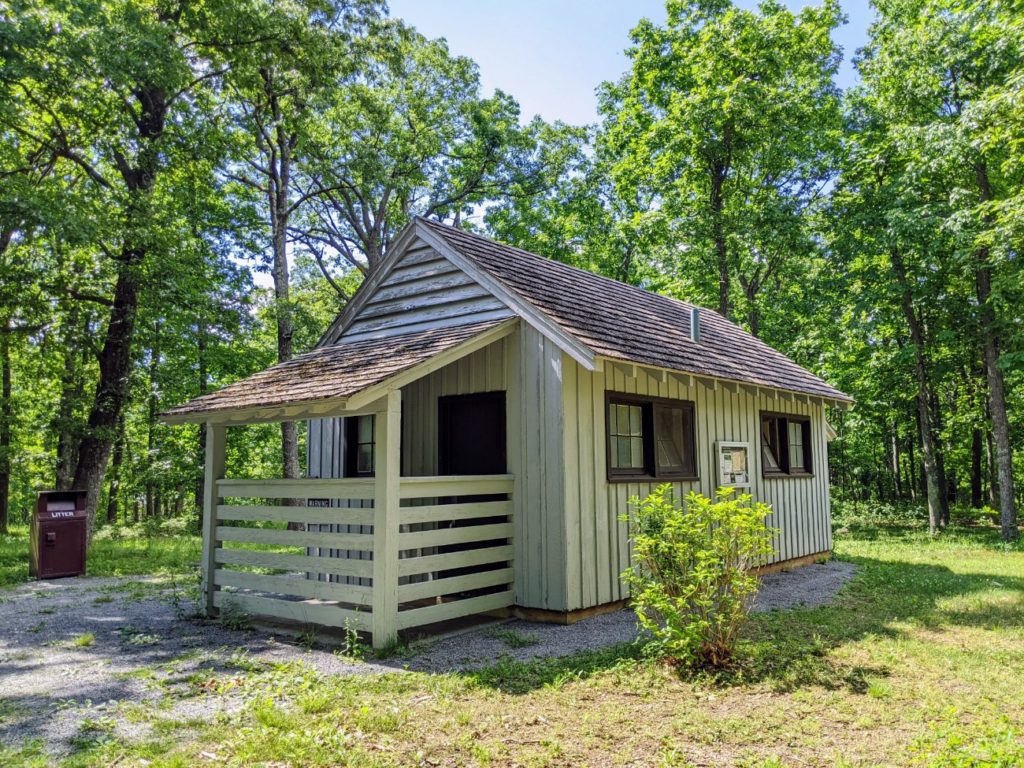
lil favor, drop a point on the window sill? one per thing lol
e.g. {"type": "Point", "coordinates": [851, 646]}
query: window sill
{"type": "Point", "coordinates": [652, 479]}
{"type": "Point", "coordinates": [785, 475]}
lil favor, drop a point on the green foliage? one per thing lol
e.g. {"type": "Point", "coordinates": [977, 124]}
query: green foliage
{"type": "Point", "coordinates": [691, 582]}
{"type": "Point", "coordinates": [234, 617]}
{"type": "Point", "coordinates": [147, 553]}
{"type": "Point", "coordinates": [727, 127]}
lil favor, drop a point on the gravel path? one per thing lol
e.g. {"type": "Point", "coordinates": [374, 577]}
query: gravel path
{"type": "Point", "coordinates": [77, 655]}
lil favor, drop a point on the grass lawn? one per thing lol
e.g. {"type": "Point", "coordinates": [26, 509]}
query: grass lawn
{"type": "Point", "coordinates": [921, 662]}
{"type": "Point", "coordinates": [160, 554]}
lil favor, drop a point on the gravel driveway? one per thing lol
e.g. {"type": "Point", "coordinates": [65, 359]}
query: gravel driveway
{"type": "Point", "coordinates": [76, 655]}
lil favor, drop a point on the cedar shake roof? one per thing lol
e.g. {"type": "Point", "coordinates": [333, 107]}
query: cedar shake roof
{"type": "Point", "coordinates": [628, 323]}
{"type": "Point", "coordinates": [331, 373]}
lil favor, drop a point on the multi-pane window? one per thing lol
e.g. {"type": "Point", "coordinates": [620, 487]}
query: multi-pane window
{"type": "Point", "coordinates": [626, 436]}
{"type": "Point", "coordinates": [785, 445]}
{"type": "Point", "coordinates": [650, 437]}
{"type": "Point", "coordinates": [359, 438]}
{"type": "Point", "coordinates": [797, 460]}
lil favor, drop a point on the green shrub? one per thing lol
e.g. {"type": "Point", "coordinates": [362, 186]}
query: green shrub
{"type": "Point", "coordinates": [691, 579]}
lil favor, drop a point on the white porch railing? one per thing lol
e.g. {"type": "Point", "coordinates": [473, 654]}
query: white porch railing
{"type": "Point", "coordinates": [446, 551]}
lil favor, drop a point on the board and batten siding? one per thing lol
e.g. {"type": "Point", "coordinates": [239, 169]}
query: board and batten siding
{"type": "Point", "coordinates": [528, 368]}
{"type": "Point", "coordinates": [536, 459]}
{"type": "Point", "coordinates": [597, 542]}
{"type": "Point", "coordinates": [423, 290]}
{"type": "Point", "coordinates": [480, 371]}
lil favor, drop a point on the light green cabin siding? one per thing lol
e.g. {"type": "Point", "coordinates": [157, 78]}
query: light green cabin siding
{"type": "Point", "coordinates": [570, 544]}
{"type": "Point", "coordinates": [481, 371]}
{"type": "Point", "coordinates": [597, 547]}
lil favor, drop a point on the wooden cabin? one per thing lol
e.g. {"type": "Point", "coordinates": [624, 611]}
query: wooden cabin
{"type": "Point", "coordinates": [478, 419]}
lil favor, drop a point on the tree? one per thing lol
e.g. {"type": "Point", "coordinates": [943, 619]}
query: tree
{"type": "Point", "coordinates": [276, 88]}
{"type": "Point", "coordinates": [118, 106]}
{"type": "Point", "coordinates": [890, 235]}
{"type": "Point", "coordinates": [409, 135]}
{"type": "Point", "coordinates": [939, 70]}
{"type": "Point", "coordinates": [730, 120]}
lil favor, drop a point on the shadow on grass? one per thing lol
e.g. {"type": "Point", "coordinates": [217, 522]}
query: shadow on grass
{"type": "Point", "coordinates": [791, 649]}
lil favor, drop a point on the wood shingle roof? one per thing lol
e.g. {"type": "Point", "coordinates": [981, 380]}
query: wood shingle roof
{"type": "Point", "coordinates": [330, 373]}
{"type": "Point", "coordinates": [627, 323]}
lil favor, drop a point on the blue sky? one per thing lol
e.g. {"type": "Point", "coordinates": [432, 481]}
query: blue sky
{"type": "Point", "coordinates": [551, 54]}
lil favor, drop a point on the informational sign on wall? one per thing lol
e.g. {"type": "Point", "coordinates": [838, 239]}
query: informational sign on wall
{"type": "Point", "coordinates": [734, 464]}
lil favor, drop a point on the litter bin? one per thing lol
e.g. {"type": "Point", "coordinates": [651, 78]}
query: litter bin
{"type": "Point", "coordinates": [58, 535]}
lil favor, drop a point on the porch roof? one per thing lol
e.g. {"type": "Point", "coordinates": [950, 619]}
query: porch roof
{"type": "Point", "coordinates": [332, 375]}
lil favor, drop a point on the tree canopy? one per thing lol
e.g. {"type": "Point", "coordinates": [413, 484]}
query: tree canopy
{"type": "Point", "coordinates": [190, 192]}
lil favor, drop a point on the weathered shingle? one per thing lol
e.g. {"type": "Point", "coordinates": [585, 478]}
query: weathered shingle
{"type": "Point", "coordinates": [331, 372]}
{"type": "Point", "coordinates": [628, 323]}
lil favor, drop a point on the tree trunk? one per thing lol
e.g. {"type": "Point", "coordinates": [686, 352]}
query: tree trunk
{"type": "Point", "coordinates": [6, 417]}
{"type": "Point", "coordinates": [71, 394]}
{"type": "Point", "coordinates": [897, 480]}
{"type": "Point", "coordinates": [928, 448]}
{"type": "Point", "coordinates": [283, 311]}
{"type": "Point", "coordinates": [940, 460]}
{"type": "Point", "coordinates": [152, 413]}
{"type": "Point", "coordinates": [994, 375]}
{"type": "Point", "coordinates": [279, 193]}
{"type": "Point", "coordinates": [116, 461]}
{"type": "Point", "coordinates": [990, 463]}
{"type": "Point", "coordinates": [912, 468]}
{"type": "Point", "coordinates": [201, 441]}
{"type": "Point", "coordinates": [976, 483]}
{"type": "Point", "coordinates": [115, 359]}
{"type": "Point", "coordinates": [717, 202]}
{"type": "Point", "coordinates": [111, 390]}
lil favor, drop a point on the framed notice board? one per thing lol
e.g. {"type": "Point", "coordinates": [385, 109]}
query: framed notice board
{"type": "Point", "coordinates": [734, 465]}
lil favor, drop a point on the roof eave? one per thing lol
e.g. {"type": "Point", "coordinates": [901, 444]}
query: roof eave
{"type": "Point", "coordinates": [361, 401]}
{"type": "Point", "coordinates": [264, 414]}
{"type": "Point", "coordinates": [710, 381]}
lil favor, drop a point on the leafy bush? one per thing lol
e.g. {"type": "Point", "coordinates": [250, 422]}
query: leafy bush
{"type": "Point", "coordinates": [852, 513]}
{"type": "Point", "coordinates": [691, 580]}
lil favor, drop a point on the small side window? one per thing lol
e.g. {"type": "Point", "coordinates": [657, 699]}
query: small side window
{"type": "Point", "coordinates": [359, 446]}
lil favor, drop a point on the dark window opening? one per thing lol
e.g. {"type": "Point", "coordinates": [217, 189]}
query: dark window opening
{"type": "Point", "coordinates": [785, 445]}
{"type": "Point", "coordinates": [360, 444]}
{"type": "Point", "coordinates": [650, 437]}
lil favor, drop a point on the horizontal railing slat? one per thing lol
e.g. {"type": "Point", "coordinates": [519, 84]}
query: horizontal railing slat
{"type": "Point", "coordinates": [441, 512]}
{"type": "Point", "coordinates": [454, 485]}
{"type": "Point", "coordinates": [424, 589]}
{"type": "Point", "coordinates": [463, 535]}
{"type": "Point", "coordinates": [360, 541]}
{"type": "Point", "coordinates": [301, 488]}
{"type": "Point", "coordinates": [415, 617]}
{"type": "Point", "coordinates": [410, 566]}
{"type": "Point", "coordinates": [320, 515]}
{"type": "Point", "coordinates": [299, 587]}
{"type": "Point", "coordinates": [339, 566]}
{"type": "Point", "coordinates": [310, 613]}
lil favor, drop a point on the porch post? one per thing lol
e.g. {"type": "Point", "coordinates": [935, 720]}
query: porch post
{"type": "Point", "coordinates": [213, 471]}
{"type": "Point", "coordinates": [387, 469]}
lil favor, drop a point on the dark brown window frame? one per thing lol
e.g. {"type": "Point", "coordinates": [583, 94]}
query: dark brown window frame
{"type": "Point", "coordinates": [783, 453]}
{"type": "Point", "coordinates": [650, 470]}
{"type": "Point", "coordinates": [351, 446]}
